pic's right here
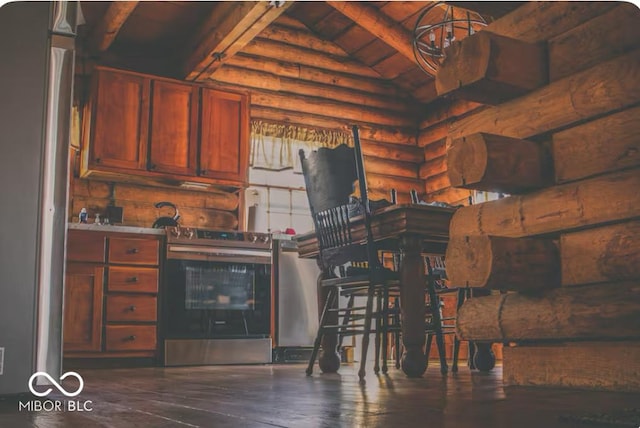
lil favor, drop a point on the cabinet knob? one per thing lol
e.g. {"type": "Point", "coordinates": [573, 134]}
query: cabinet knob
{"type": "Point", "coordinates": [133, 279]}
{"type": "Point", "coordinates": [152, 166]}
{"type": "Point", "coordinates": [98, 160]}
{"type": "Point", "coordinates": [203, 172]}
{"type": "Point", "coordinates": [130, 338]}
{"type": "Point", "coordinates": [132, 251]}
{"type": "Point", "coordinates": [132, 308]}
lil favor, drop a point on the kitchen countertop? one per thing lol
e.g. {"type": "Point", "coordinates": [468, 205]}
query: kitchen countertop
{"type": "Point", "coordinates": [121, 229]}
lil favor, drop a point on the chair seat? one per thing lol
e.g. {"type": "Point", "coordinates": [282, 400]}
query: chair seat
{"type": "Point", "coordinates": [389, 277]}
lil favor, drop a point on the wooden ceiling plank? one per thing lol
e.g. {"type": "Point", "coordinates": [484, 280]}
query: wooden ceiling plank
{"type": "Point", "coordinates": [239, 27]}
{"type": "Point", "coordinates": [378, 24]}
{"type": "Point", "coordinates": [110, 24]}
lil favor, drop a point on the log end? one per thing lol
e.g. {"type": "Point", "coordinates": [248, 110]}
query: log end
{"type": "Point", "coordinates": [469, 261]}
{"type": "Point", "coordinates": [467, 161]}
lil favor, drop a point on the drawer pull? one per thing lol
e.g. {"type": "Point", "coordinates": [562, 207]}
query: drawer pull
{"type": "Point", "coordinates": [130, 338]}
{"type": "Point", "coordinates": [133, 279]}
{"type": "Point", "coordinates": [132, 251]}
{"type": "Point", "coordinates": [132, 308]}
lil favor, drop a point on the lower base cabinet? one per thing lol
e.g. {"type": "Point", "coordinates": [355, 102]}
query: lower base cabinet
{"type": "Point", "coordinates": [111, 295]}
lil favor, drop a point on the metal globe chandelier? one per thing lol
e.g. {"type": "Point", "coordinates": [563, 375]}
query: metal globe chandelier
{"type": "Point", "coordinates": [436, 28]}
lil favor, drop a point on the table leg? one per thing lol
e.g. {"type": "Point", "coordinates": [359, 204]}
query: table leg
{"type": "Point", "coordinates": [412, 306]}
{"type": "Point", "coordinates": [329, 360]}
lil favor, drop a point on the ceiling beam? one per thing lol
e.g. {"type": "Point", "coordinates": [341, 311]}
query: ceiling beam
{"type": "Point", "coordinates": [229, 29]}
{"type": "Point", "coordinates": [378, 24]}
{"type": "Point", "coordinates": [107, 29]}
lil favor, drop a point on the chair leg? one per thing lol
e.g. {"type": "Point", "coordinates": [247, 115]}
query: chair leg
{"type": "Point", "coordinates": [318, 340]}
{"type": "Point", "coordinates": [345, 320]}
{"type": "Point", "coordinates": [434, 303]}
{"type": "Point", "coordinates": [385, 329]}
{"type": "Point", "coordinates": [379, 331]}
{"type": "Point", "coordinates": [396, 322]}
{"type": "Point", "coordinates": [428, 346]}
{"type": "Point", "coordinates": [365, 334]}
{"type": "Point", "coordinates": [456, 341]}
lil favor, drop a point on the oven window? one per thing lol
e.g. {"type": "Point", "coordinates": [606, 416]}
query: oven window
{"type": "Point", "coordinates": [216, 300]}
{"type": "Point", "coordinates": [225, 287]}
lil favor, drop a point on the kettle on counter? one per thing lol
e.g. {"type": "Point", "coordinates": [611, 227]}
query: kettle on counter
{"type": "Point", "coordinates": [167, 221]}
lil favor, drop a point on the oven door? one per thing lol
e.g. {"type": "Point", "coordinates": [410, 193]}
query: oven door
{"type": "Point", "coordinates": [216, 310]}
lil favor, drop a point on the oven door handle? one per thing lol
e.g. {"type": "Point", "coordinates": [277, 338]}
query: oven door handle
{"type": "Point", "coordinates": [187, 252]}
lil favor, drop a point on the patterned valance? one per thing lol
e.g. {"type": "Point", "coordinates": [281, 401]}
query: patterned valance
{"type": "Point", "coordinates": [275, 146]}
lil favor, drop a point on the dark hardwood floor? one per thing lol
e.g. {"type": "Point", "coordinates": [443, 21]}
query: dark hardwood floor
{"type": "Point", "coordinates": [281, 396]}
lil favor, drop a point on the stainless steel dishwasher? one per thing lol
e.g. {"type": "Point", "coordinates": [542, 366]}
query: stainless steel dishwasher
{"type": "Point", "coordinates": [295, 303]}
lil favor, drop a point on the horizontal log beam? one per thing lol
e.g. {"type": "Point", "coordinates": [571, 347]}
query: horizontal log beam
{"type": "Point", "coordinates": [376, 165]}
{"type": "Point", "coordinates": [603, 199]}
{"type": "Point", "coordinates": [591, 312]}
{"type": "Point", "coordinates": [301, 38]}
{"type": "Point", "coordinates": [378, 24]}
{"type": "Point", "coordinates": [604, 254]}
{"type": "Point", "coordinates": [494, 163]}
{"type": "Point", "coordinates": [253, 79]}
{"type": "Point", "coordinates": [436, 183]}
{"type": "Point", "coordinates": [508, 264]}
{"type": "Point", "coordinates": [560, 103]}
{"type": "Point", "coordinates": [540, 21]}
{"type": "Point", "coordinates": [490, 69]}
{"type": "Point", "coordinates": [600, 146]}
{"type": "Point", "coordinates": [284, 52]}
{"type": "Point", "coordinates": [319, 106]}
{"type": "Point", "coordinates": [433, 133]}
{"type": "Point", "coordinates": [602, 38]}
{"type": "Point", "coordinates": [241, 23]}
{"type": "Point", "coordinates": [433, 167]}
{"type": "Point", "coordinates": [435, 150]}
{"type": "Point", "coordinates": [314, 74]}
{"type": "Point", "coordinates": [107, 29]}
{"type": "Point", "coordinates": [446, 109]}
{"type": "Point", "coordinates": [603, 365]}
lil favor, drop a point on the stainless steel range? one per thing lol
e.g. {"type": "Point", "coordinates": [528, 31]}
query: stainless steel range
{"type": "Point", "coordinates": [217, 297]}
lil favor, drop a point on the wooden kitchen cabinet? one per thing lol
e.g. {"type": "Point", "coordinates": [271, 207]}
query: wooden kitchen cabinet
{"type": "Point", "coordinates": [84, 285]}
{"type": "Point", "coordinates": [173, 137]}
{"type": "Point", "coordinates": [225, 123]}
{"type": "Point", "coordinates": [111, 294]}
{"type": "Point", "coordinates": [119, 121]}
{"type": "Point", "coordinates": [158, 131]}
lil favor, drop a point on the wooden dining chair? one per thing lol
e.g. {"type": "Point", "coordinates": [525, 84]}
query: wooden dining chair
{"type": "Point", "coordinates": [330, 176]}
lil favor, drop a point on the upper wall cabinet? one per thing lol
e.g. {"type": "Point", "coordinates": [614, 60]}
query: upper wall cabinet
{"type": "Point", "coordinates": [224, 125]}
{"type": "Point", "coordinates": [149, 129]}
{"type": "Point", "coordinates": [120, 126]}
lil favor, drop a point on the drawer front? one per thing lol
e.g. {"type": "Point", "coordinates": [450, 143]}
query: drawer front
{"type": "Point", "coordinates": [132, 279]}
{"type": "Point", "coordinates": [131, 308]}
{"type": "Point", "coordinates": [137, 251]}
{"type": "Point", "coordinates": [130, 338]}
{"type": "Point", "coordinates": [85, 246]}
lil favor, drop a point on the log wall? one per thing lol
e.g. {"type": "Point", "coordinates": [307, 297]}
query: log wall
{"type": "Point", "coordinates": [585, 118]}
{"type": "Point", "coordinates": [296, 78]}
{"type": "Point", "coordinates": [581, 51]}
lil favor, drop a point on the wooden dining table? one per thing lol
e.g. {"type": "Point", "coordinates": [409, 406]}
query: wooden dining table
{"type": "Point", "coordinates": [412, 229]}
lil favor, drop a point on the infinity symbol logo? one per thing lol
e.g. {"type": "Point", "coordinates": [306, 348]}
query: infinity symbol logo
{"type": "Point", "coordinates": [56, 384]}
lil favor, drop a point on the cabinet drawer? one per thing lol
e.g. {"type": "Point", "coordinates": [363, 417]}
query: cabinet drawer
{"type": "Point", "coordinates": [131, 338]}
{"type": "Point", "coordinates": [139, 251]}
{"type": "Point", "coordinates": [84, 246]}
{"type": "Point", "coordinates": [132, 279]}
{"type": "Point", "coordinates": [131, 308]}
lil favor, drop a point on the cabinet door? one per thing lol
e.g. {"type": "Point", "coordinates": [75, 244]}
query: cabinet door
{"type": "Point", "coordinates": [173, 128]}
{"type": "Point", "coordinates": [83, 292]}
{"type": "Point", "coordinates": [224, 138]}
{"type": "Point", "coordinates": [120, 121]}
